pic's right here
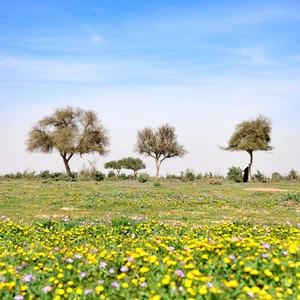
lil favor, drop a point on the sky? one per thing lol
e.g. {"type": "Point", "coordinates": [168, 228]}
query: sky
{"type": "Point", "coordinates": [201, 66]}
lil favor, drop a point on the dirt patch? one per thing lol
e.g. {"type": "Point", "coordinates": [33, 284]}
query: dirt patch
{"type": "Point", "coordinates": [47, 216]}
{"type": "Point", "coordinates": [69, 208]}
{"type": "Point", "coordinates": [265, 190]}
{"type": "Point", "coordinates": [289, 203]}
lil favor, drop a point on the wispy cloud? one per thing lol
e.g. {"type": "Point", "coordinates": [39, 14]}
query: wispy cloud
{"type": "Point", "coordinates": [55, 43]}
{"type": "Point", "coordinates": [20, 69]}
{"type": "Point", "coordinates": [94, 36]}
{"type": "Point", "coordinates": [297, 57]}
{"type": "Point", "coordinates": [95, 39]}
{"type": "Point", "coordinates": [196, 21]}
{"type": "Point", "coordinates": [256, 55]}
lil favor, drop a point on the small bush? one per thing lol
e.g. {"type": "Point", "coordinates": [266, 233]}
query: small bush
{"type": "Point", "coordinates": [18, 175]}
{"type": "Point", "coordinates": [74, 175]}
{"type": "Point", "coordinates": [111, 175]}
{"type": "Point", "coordinates": [98, 176]}
{"type": "Point", "coordinates": [45, 174]}
{"type": "Point", "coordinates": [199, 176]}
{"type": "Point", "coordinates": [189, 175]}
{"type": "Point", "coordinates": [171, 176]}
{"type": "Point", "coordinates": [144, 177]}
{"type": "Point", "coordinates": [291, 196]}
{"type": "Point", "coordinates": [208, 175]}
{"type": "Point", "coordinates": [259, 176]}
{"type": "Point", "coordinates": [29, 174]}
{"type": "Point", "coordinates": [235, 174]}
{"type": "Point", "coordinates": [293, 174]}
{"type": "Point", "coordinates": [123, 176]}
{"type": "Point", "coordinates": [84, 174]}
{"type": "Point", "coordinates": [156, 184]}
{"type": "Point", "coordinates": [57, 175]}
{"type": "Point", "coordinates": [9, 176]}
{"type": "Point", "coordinates": [276, 176]}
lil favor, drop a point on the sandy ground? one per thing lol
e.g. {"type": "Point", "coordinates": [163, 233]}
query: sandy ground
{"type": "Point", "coordinates": [69, 208]}
{"type": "Point", "coordinates": [266, 190]}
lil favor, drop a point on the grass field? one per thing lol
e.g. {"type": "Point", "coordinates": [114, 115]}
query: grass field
{"type": "Point", "coordinates": [174, 201]}
{"type": "Point", "coordinates": [128, 240]}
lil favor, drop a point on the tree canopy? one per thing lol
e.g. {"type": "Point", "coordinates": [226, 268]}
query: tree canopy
{"type": "Point", "coordinates": [134, 164]}
{"type": "Point", "coordinates": [114, 165]}
{"type": "Point", "coordinates": [159, 144]}
{"type": "Point", "coordinates": [250, 136]}
{"type": "Point", "coordinates": [70, 131]}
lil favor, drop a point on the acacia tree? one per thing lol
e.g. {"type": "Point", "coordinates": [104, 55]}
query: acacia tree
{"type": "Point", "coordinates": [160, 144]}
{"type": "Point", "coordinates": [114, 165]}
{"type": "Point", "coordinates": [70, 131]}
{"type": "Point", "coordinates": [134, 164]}
{"type": "Point", "coordinates": [250, 136]}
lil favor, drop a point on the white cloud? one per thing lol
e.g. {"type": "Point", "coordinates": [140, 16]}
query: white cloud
{"type": "Point", "coordinates": [95, 39]}
{"type": "Point", "coordinates": [27, 69]}
{"type": "Point", "coordinates": [254, 54]}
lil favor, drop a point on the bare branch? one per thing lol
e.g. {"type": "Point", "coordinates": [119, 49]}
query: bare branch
{"type": "Point", "coordinates": [160, 144]}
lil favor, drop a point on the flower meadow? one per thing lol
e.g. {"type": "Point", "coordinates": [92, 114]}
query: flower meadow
{"type": "Point", "coordinates": [131, 259]}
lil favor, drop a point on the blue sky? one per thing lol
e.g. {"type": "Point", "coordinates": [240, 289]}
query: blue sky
{"type": "Point", "coordinates": [202, 66]}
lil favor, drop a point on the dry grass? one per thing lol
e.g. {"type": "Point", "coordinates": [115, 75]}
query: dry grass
{"type": "Point", "coordinates": [260, 189]}
{"type": "Point", "coordinates": [175, 201]}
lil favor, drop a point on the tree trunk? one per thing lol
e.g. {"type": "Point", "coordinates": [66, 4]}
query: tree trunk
{"type": "Point", "coordinates": [66, 162]}
{"type": "Point", "coordinates": [250, 165]}
{"type": "Point", "coordinates": [157, 169]}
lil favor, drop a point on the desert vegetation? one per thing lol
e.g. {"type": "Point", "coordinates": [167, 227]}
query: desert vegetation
{"type": "Point", "coordinates": [69, 131]}
{"type": "Point", "coordinates": [250, 136]}
{"type": "Point", "coordinates": [176, 240]}
{"type": "Point", "coordinates": [91, 235]}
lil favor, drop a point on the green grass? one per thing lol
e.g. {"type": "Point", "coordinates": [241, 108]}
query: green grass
{"type": "Point", "coordinates": [128, 240]}
{"type": "Point", "coordinates": [174, 201]}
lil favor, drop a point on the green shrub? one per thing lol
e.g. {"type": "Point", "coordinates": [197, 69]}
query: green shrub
{"type": "Point", "coordinates": [144, 177]}
{"type": "Point", "coordinates": [111, 175]}
{"type": "Point", "coordinates": [18, 175]}
{"type": "Point", "coordinates": [199, 176]}
{"type": "Point", "coordinates": [157, 184]}
{"type": "Point", "coordinates": [189, 175]}
{"type": "Point", "coordinates": [208, 175]}
{"type": "Point", "coordinates": [58, 175]}
{"type": "Point", "coordinates": [293, 174]}
{"type": "Point", "coordinates": [235, 174]}
{"type": "Point", "coordinates": [45, 174]}
{"type": "Point", "coordinates": [98, 176]}
{"type": "Point", "coordinates": [8, 176]}
{"type": "Point", "coordinates": [123, 176]}
{"type": "Point", "coordinates": [259, 176]}
{"type": "Point", "coordinates": [171, 176]}
{"type": "Point", "coordinates": [291, 196]}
